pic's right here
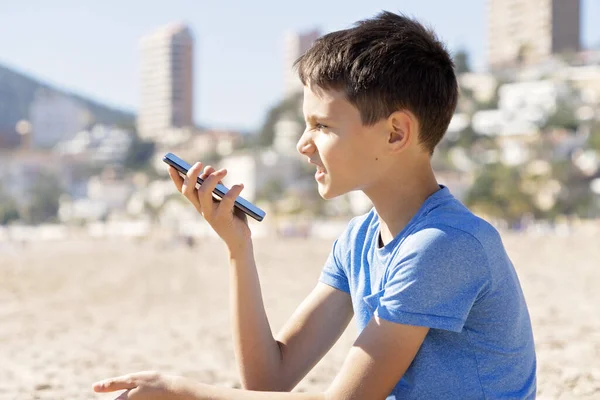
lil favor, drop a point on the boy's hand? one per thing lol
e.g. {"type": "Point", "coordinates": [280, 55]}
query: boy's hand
{"type": "Point", "coordinates": [230, 223]}
{"type": "Point", "coordinates": [143, 385]}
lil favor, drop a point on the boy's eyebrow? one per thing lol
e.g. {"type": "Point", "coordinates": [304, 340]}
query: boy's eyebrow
{"type": "Point", "coordinates": [317, 117]}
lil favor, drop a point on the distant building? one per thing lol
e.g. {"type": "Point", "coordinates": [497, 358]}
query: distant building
{"type": "Point", "coordinates": [587, 80]}
{"type": "Point", "coordinates": [488, 122]}
{"type": "Point", "coordinates": [287, 133]}
{"type": "Point", "coordinates": [19, 170]}
{"type": "Point", "coordinates": [105, 195]}
{"type": "Point", "coordinates": [221, 142]}
{"type": "Point", "coordinates": [167, 101]}
{"type": "Point", "coordinates": [531, 101]}
{"type": "Point", "coordinates": [530, 31]}
{"type": "Point", "coordinates": [295, 45]}
{"type": "Point", "coordinates": [100, 144]}
{"type": "Point", "coordinates": [483, 85]}
{"type": "Point", "coordinates": [259, 170]}
{"type": "Point", "coordinates": [54, 118]}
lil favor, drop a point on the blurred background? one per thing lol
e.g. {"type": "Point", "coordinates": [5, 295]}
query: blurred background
{"type": "Point", "coordinates": [92, 94]}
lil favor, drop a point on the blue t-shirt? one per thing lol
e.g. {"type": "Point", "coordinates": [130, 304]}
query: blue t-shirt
{"type": "Point", "coordinates": [447, 270]}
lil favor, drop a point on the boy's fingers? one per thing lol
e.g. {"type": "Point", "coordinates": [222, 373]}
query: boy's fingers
{"type": "Point", "coordinates": [205, 192]}
{"type": "Point", "coordinates": [176, 178]}
{"type": "Point", "coordinates": [113, 384]}
{"type": "Point", "coordinates": [207, 171]}
{"type": "Point", "coordinates": [227, 202]}
{"type": "Point", "coordinates": [189, 184]}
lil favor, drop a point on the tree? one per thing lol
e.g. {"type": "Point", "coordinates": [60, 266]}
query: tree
{"type": "Point", "coordinates": [563, 117]}
{"type": "Point", "coordinates": [467, 137]}
{"type": "Point", "coordinates": [45, 193]}
{"type": "Point", "coordinates": [594, 139]}
{"type": "Point", "coordinates": [8, 208]}
{"type": "Point", "coordinates": [461, 62]}
{"type": "Point", "coordinates": [576, 198]}
{"type": "Point", "coordinates": [497, 192]}
{"type": "Point", "coordinates": [292, 104]}
{"type": "Point", "coordinates": [139, 154]}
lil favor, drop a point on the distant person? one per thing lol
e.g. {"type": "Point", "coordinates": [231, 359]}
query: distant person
{"type": "Point", "coordinates": [439, 306]}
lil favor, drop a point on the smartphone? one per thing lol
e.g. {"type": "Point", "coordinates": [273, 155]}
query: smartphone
{"type": "Point", "coordinates": [220, 190]}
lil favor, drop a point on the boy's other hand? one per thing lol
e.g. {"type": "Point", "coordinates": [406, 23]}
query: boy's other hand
{"type": "Point", "coordinates": [228, 222]}
{"type": "Point", "coordinates": [143, 385]}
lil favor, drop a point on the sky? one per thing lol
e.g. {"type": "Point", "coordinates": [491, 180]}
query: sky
{"type": "Point", "coordinates": [92, 47]}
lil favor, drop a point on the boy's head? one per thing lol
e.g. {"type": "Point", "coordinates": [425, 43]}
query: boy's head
{"type": "Point", "coordinates": [383, 66]}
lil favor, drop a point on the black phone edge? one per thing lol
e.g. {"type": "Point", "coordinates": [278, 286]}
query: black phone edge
{"type": "Point", "coordinates": [246, 210]}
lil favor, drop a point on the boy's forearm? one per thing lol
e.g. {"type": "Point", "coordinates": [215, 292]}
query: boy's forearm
{"type": "Point", "coordinates": [196, 391]}
{"type": "Point", "coordinates": [258, 354]}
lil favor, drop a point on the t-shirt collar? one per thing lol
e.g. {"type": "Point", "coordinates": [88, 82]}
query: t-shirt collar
{"type": "Point", "coordinates": [429, 204]}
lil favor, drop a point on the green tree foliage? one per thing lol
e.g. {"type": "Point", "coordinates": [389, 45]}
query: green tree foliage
{"type": "Point", "coordinates": [563, 117]}
{"type": "Point", "coordinates": [291, 105]}
{"type": "Point", "coordinates": [45, 193]}
{"type": "Point", "coordinates": [496, 192]}
{"type": "Point", "coordinates": [576, 198]}
{"type": "Point", "coordinates": [8, 208]}
{"type": "Point", "coordinates": [139, 154]}
{"type": "Point", "coordinates": [467, 137]}
{"type": "Point", "coordinates": [594, 139]}
{"type": "Point", "coordinates": [461, 62]}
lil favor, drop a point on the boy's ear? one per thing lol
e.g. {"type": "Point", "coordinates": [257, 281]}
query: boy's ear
{"type": "Point", "coordinates": [402, 127]}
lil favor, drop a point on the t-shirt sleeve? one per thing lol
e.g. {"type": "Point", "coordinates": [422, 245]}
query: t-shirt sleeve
{"type": "Point", "coordinates": [333, 273]}
{"type": "Point", "coordinates": [435, 283]}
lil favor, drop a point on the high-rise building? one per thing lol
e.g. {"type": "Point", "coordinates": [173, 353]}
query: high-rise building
{"type": "Point", "coordinates": [167, 100]}
{"type": "Point", "coordinates": [530, 31]}
{"type": "Point", "coordinates": [296, 44]}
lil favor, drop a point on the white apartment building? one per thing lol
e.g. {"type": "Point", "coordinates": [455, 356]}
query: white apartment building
{"type": "Point", "coordinates": [167, 101]}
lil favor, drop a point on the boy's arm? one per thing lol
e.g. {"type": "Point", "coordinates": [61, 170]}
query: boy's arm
{"type": "Point", "coordinates": [380, 356]}
{"type": "Point", "coordinates": [374, 366]}
{"type": "Point", "coordinates": [264, 363]}
{"type": "Point", "coordinates": [270, 364]}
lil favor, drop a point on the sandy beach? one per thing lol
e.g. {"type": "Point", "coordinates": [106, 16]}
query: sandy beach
{"type": "Point", "coordinates": [76, 311]}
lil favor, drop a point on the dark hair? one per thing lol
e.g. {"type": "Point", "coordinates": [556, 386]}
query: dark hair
{"type": "Point", "coordinates": [384, 64]}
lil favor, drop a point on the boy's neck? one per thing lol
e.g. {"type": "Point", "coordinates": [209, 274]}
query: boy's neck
{"type": "Point", "coordinates": [398, 197]}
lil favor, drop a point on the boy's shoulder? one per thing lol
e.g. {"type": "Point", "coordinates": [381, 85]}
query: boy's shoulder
{"type": "Point", "coordinates": [442, 221]}
{"type": "Point", "coordinates": [454, 219]}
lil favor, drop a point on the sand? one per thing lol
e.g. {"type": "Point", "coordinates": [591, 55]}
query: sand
{"type": "Point", "coordinates": [73, 312]}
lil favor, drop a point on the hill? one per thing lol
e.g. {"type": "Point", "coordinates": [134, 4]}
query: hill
{"type": "Point", "coordinates": [17, 92]}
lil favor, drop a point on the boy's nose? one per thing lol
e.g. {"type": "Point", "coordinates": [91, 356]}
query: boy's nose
{"type": "Point", "coordinates": [305, 145]}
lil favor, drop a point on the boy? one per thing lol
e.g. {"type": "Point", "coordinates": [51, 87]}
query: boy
{"type": "Point", "coordinates": [438, 303]}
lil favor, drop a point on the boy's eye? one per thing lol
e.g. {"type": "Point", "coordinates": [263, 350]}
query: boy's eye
{"type": "Point", "coordinates": [320, 126]}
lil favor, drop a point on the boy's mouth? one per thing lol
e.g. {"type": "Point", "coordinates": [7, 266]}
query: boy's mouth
{"type": "Point", "coordinates": [320, 174]}
{"type": "Point", "coordinates": [320, 169]}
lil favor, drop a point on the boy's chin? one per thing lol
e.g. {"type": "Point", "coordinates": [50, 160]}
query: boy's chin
{"type": "Point", "coordinates": [326, 192]}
